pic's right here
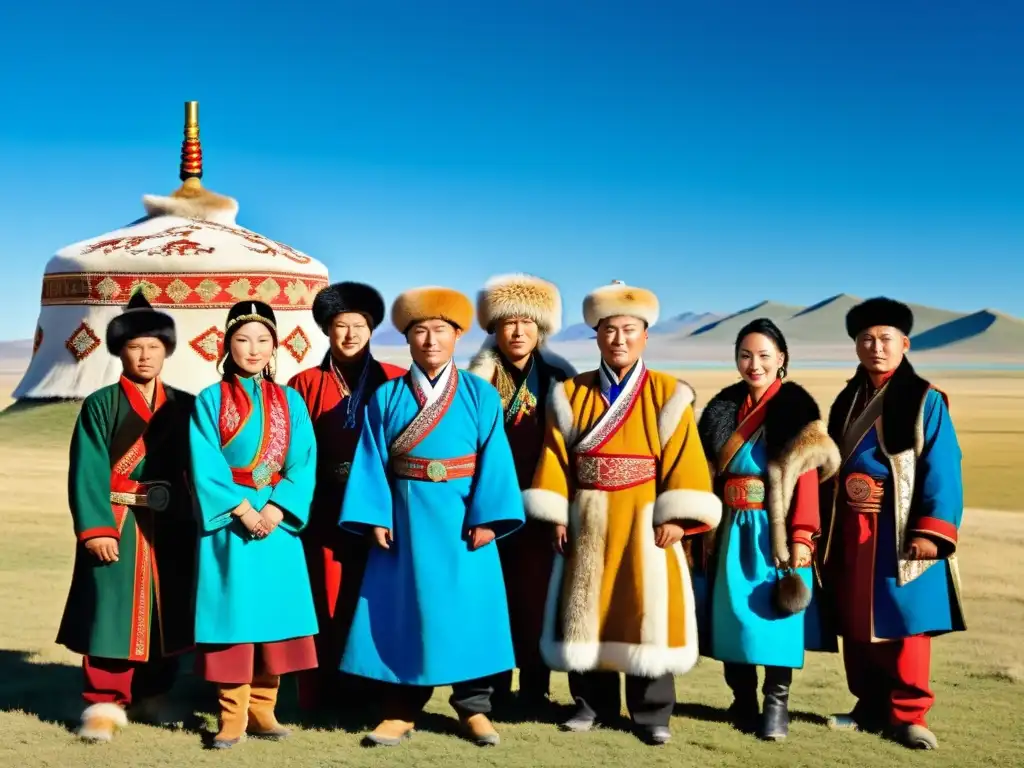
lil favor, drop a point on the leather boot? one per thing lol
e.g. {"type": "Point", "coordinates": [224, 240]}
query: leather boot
{"type": "Point", "coordinates": [262, 700]}
{"type": "Point", "coordinates": [390, 733]}
{"type": "Point", "coordinates": [100, 721]}
{"type": "Point", "coordinates": [234, 715]}
{"type": "Point", "coordinates": [479, 730]}
{"type": "Point", "coordinates": [744, 710]}
{"type": "Point", "coordinates": [775, 720]}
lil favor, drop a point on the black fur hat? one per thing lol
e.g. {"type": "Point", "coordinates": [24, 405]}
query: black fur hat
{"type": "Point", "coordinates": [247, 312]}
{"type": "Point", "coordinates": [879, 311]}
{"type": "Point", "coordinates": [348, 297]}
{"type": "Point", "coordinates": [137, 320]}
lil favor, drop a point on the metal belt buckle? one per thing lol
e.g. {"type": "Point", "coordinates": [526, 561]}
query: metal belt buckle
{"type": "Point", "coordinates": [436, 471]}
{"type": "Point", "coordinates": [858, 488]}
{"type": "Point", "coordinates": [158, 496]}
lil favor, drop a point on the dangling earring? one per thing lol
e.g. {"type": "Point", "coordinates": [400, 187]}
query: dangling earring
{"type": "Point", "coordinates": [272, 365]}
{"type": "Point", "coordinates": [782, 372]}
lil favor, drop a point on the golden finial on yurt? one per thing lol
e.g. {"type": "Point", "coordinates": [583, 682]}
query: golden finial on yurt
{"type": "Point", "coordinates": [191, 151]}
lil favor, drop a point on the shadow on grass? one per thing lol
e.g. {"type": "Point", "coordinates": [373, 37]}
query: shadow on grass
{"type": "Point", "coordinates": [709, 714]}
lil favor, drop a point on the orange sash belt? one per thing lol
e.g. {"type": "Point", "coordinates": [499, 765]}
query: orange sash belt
{"type": "Point", "coordinates": [864, 493]}
{"type": "Point", "coordinates": [604, 472]}
{"type": "Point", "coordinates": [434, 470]}
{"type": "Point", "coordinates": [744, 492]}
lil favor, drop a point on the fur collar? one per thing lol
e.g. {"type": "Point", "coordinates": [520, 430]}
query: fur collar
{"type": "Point", "coordinates": [904, 396]}
{"type": "Point", "coordinates": [485, 362]}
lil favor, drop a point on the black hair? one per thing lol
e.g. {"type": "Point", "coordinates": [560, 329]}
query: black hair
{"type": "Point", "coordinates": [227, 363]}
{"type": "Point", "coordinates": [765, 327]}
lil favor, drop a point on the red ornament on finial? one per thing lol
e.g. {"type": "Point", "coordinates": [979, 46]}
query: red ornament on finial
{"type": "Point", "coordinates": [191, 151]}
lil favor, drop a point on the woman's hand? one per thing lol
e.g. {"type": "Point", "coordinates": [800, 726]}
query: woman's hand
{"type": "Point", "coordinates": [480, 536]}
{"type": "Point", "coordinates": [382, 537]}
{"type": "Point", "coordinates": [254, 524]}
{"type": "Point", "coordinates": [272, 516]}
{"type": "Point", "coordinates": [922, 548]}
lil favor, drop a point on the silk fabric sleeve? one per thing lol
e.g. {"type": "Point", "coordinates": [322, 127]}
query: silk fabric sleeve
{"type": "Point", "coordinates": [939, 507]}
{"type": "Point", "coordinates": [217, 495]}
{"type": "Point", "coordinates": [368, 501]}
{"type": "Point", "coordinates": [548, 497]}
{"type": "Point", "coordinates": [685, 494]}
{"type": "Point", "coordinates": [89, 474]}
{"type": "Point", "coordinates": [804, 516]}
{"type": "Point", "coordinates": [495, 500]}
{"type": "Point", "coordinates": [294, 493]}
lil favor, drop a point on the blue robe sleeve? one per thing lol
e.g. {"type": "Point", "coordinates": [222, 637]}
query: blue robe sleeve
{"type": "Point", "coordinates": [368, 501]}
{"type": "Point", "coordinates": [217, 495]}
{"type": "Point", "coordinates": [495, 500]}
{"type": "Point", "coordinates": [939, 506]}
{"type": "Point", "coordinates": [294, 493]}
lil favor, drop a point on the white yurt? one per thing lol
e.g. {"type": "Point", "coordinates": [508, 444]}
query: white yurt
{"type": "Point", "coordinates": [189, 258]}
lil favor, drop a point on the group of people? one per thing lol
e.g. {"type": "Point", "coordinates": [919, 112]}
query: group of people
{"type": "Point", "coordinates": [381, 531]}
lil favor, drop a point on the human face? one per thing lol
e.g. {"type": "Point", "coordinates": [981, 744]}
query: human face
{"type": "Point", "coordinates": [252, 346]}
{"type": "Point", "coordinates": [621, 340]}
{"type": "Point", "coordinates": [881, 348]}
{"type": "Point", "coordinates": [432, 343]}
{"type": "Point", "coordinates": [349, 334]}
{"type": "Point", "coordinates": [517, 337]}
{"type": "Point", "coordinates": [759, 361]}
{"type": "Point", "coordinates": [143, 358]}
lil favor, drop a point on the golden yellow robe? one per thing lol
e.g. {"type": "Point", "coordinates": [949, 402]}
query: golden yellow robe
{"type": "Point", "coordinates": [617, 601]}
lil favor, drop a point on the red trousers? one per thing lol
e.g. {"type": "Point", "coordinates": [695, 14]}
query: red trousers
{"type": "Point", "coordinates": [890, 680]}
{"type": "Point", "coordinates": [116, 681]}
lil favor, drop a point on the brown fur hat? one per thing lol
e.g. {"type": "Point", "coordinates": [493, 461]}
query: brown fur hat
{"type": "Point", "coordinates": [432, 302]}
{"type": "Point", "coordinates": [620, 299]}
{"type": "Point", "coordinates": [520, 295]}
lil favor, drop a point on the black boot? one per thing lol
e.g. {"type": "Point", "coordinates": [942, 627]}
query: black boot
{"type": "Point", "coordinates": [775, 721]}
{"type": "Point", "coordinates": [744, 710]}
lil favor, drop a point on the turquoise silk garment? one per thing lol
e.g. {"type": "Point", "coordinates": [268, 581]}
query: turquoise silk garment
{"type": "Point", "coordinates": [431, 611]}
{"type": "Point", "coordinates": [251, 590]}
{"type": "Point", "coordinates": [745, 626]}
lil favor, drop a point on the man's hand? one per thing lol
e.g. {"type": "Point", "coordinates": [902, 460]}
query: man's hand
{"type": "Point", "coordinates": [383, 537]}
{"type": "Point", "coordinates": [561, 540]}
{"type": "Point", "coordinates": [667, 534]}
{"type": "Point", "coordinates": [800, 555]}
{"type": "Point", "coordinates": [272, 516]}
{"type": "Point", "coordinates": [922, 548]}
{"type": "Point", "coordinates": [104, 548]}
{"type": "Point", "coordinates": [480, 536]}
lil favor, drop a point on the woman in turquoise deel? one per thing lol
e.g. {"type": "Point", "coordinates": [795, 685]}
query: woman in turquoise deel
{"type": "Point", "coordinates": [253, 468]}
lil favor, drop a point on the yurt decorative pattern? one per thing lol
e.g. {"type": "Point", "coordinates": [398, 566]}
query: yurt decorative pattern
{"type": "Point", "coordinates": [190, 258]}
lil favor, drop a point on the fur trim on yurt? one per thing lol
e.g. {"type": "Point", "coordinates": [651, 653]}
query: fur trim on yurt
{"type": "Point", "coordinates": [879, 311]}
{"type": "Point", "coordinates": [429, 303]}
{"type": "Point", "coordinates": [520, 295]}
{"type": "Point", "coordinates": [620, 299]}
{"type": "Point", "coordinates": [348, 297]}
{"type": "Point", "coordinates": [139, 319]}
{"type": "Point", "coordinates": [192, 201]}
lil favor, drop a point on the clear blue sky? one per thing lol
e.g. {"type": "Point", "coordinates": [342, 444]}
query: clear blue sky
{"type": "Point", "coordinates": [717, 152]}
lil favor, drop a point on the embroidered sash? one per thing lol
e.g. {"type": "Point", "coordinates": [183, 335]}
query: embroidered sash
{"type": "Point", "coordinates": [428, 417]}
{"type": "Point", "coordinates": [746, 431]}
{"type": "Point", "coordinates": [126, 464]}
{"type": "Point", "coordinates": [611, 421]}
{"type": "Point", "coordinates": [856, 431]}
{"type": "Point", "coordinates": [521, 402]}
{"type": "Point", "coordinates": [235, 410]}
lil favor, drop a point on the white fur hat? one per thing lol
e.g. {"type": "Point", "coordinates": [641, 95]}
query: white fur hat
{"type": "Point", "coordinates": [620, 299]}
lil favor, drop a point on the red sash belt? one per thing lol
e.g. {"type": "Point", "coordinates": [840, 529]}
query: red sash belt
{"type": "Point", "coordinates": [607, 472]}
{"type": "Point", "coordinates": [864, 493]}
{"type": "Point", "coordinates": [255, 478]}
{"type": "Point", "coordinates": [434, 470]}
{"type": "Point", "coordinates": [744, 492]}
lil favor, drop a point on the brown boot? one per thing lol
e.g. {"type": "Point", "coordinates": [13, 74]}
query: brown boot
{"type": "Point", "coordinates": [390, 733]}
{"type": "Point", "coordinates": [234, 709]}
{"type": "Point", "coordinates": [100, 721]}
{"type": "Point", "coordinates": [262, 700]}
{"type": "Point", "coordinates": [479, 730]}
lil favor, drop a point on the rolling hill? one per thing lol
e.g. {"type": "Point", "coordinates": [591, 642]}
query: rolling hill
{"type": "Point", "coordinates": [725, 329]}
{"type": "Point", "coordinates": [984, 332]}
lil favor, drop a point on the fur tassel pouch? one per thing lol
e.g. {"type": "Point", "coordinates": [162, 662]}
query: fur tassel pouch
{"type": "Point", "coordinates": [791, 594]}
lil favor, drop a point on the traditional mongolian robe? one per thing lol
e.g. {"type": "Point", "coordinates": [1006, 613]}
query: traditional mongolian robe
{"type": "Point", "coordinates": [621, 457]}
{"type": "Point", "coordinates": [252, 440]}
{"type": "Point", "coordinates": [336, 400]}
{"type": "Point", "coordinates": [900, 479]}
{"type": "Point", "coordinates": [127, 481]}
{"type": "Point", "coordinates": [766, 459]}
{"type": "Point", "coordinates": [526, 556]}
{"type": "Point", "coordinates": [432, 462]}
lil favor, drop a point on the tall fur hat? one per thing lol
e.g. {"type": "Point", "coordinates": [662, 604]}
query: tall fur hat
{"type": "Point", "coordinates": [249, 312]}
{"type": "Point", "coordinates": [348, 297]}
{"type": "Point", "coordinates": [520, 295]}
{"type": "Point", "coordinates": [137, 320]}
{"type": "Point", "coordinates": [879, 311]}
{"type": "Point", "coordinates": [432, 302]}
{"type": "Point", "coordinates": [620, 299]}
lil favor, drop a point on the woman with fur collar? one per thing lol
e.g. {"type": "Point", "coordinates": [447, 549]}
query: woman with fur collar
{"type": "Point", "coordinates": [768, 448]}
{"type": "Point", "coordinates": [519, 312]}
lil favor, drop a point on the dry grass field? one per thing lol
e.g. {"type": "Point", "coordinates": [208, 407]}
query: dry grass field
{"type": "Point", "coordinates": [978, 675]}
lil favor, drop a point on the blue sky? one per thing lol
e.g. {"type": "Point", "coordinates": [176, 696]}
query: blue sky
{"type": "Point", "coordinates": [717, 152]}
